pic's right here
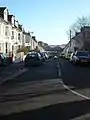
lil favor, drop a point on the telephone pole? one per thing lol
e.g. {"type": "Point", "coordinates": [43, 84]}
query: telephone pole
{"type": "Point", "coordinates": [70, 37]}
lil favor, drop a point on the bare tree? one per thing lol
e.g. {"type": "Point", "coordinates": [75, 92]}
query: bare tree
{"type": "Point", "coordinates": [76, 27]}
{"type": "Point", "coordinates": [80, 22]}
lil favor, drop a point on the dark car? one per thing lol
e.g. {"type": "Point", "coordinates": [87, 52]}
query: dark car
{"type": "Point", "coordinates": [4, 60]}
{"type": "Point", "coordinates": [55, 57]}
{"type": "Point", "coordinates": [43, 56]}
{"type": "Point", "coordinates": [62, 55]}
{"type": "Point", "coordinates": [46, 55]}
{"type": "Point", "coordinates": [81, 57]}
{"type": "Point", "coordinates": [33, 59]}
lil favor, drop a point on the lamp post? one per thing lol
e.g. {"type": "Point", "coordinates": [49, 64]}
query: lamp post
{"type": "Point", "coordinates": [6, 46]}
{"type": "Point", "coordinates": [70, 37]}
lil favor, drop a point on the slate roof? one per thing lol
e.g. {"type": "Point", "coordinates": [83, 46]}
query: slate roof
{"type": "Point", "coordinates": [1, 11]}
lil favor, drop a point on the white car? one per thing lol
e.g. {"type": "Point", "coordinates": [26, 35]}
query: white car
{"type": "Point", "coordinates": [55, 57]}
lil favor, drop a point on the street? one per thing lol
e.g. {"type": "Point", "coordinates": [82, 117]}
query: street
{"type": "Point", "coordinates": [56, 90]}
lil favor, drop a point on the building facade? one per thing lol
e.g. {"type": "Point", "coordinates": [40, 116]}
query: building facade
{"type": "Point", "coordinates": [5, 31]}
{"type": "Point", "coordinates": [13, 35]}
{"type": "Point", "coordinates": [34, 43]}
{"type": "Point", "coordinates": [10, 32]}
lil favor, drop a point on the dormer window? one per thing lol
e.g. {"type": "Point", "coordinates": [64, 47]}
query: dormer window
{"type": "Point", "coordinates": [6, 15]}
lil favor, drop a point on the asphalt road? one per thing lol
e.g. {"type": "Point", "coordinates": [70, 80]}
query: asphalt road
{"type": "Point", "coordinates": [77, 76]}
{"type": "Point", "coordinates": [65, 104]}
{"type": "Point", "coordinates": [47, 71]}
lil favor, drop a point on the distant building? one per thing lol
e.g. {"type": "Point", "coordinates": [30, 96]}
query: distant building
{"type": "Point", "coordinates": [34, 43]}
{"type": "Point", "coordinates": [27, 39]}
{"type": "Point", "coordinates": [13, 36]}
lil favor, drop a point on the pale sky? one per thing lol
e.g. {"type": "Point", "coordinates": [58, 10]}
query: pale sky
{"type": "Point", "coordinates": [48, 19]}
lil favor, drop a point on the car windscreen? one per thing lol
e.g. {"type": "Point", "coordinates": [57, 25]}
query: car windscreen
{"type": "Point", "coordinates": [83, 54]}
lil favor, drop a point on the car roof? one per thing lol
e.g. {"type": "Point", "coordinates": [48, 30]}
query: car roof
{"type": "Point", "coordinates": [82, 51]}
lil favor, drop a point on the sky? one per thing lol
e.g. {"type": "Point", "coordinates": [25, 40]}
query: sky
{"type": "Point", "coordinates": [48, 19]}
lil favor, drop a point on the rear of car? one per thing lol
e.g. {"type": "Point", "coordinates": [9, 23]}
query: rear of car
{"type": "Point", "coordinates": [33, 59]}
{"type": "Point", "coordinates": [43, 56]}
{"type": "Point", "coordinates": [55, 57]}
{"type": "Point", "coordinates": [81, 57]}
{"type": "Point", "coordinates": [3, 60]}
{"type": "Point", "coordinates": [46, 56]}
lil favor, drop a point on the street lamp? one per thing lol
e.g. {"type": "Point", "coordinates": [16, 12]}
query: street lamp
{"type": "Point", "coordinates": [6, 46]}
{"type": "Point", "coordinates": [70, 37]}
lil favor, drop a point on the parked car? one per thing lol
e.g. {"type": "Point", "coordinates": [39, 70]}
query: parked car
{"type": "Point", "coordinates": [43, 56]}
{"type": "Point", "coordinates": [50, 56]}
{"type": "Point", "coordinates": [55, 57]}
{"type": "Point", "coordinates": [4, 60]}
{"type": "Point", "coordinates": [33, 59]}
{"type": "Point", "coordinates": [46, 55]}
{"type": "Point", "coordinates": [81, 57]}
{"type": "Point", "coordinates": [9, 58]}
{"type": "Point", "coordinates": [62, 55]}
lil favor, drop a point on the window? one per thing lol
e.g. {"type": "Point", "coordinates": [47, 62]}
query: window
{"type": "Point", "coordinates": [83, 54]}
{"type": "Point", "coordinates": [12, 34]}
{"type": "Point", "coordinates": [6, 30]}
{"type": "Point", "coordinates": [18, 36]}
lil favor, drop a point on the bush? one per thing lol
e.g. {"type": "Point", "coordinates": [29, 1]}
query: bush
{"type": "Point", "coordinates": [24, 49]}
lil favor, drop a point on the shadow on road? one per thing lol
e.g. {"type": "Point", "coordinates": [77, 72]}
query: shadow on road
{"type": "Point", "coordinates": [36, 73]}
{"type": "Point", "coordinates": [62, 111]}
{"type": "Point", "coordinates": [75, 75]}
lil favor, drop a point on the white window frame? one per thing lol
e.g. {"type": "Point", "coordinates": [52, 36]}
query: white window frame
{"type": "Point", "coordinates": [6, 30]}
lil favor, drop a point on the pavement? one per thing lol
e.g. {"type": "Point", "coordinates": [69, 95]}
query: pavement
{"type": "Point", "coordinates": [56, 90]}
{"type": "Point", "coordinates": [10, 71]}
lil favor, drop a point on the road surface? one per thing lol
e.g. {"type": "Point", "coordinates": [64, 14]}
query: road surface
{"type": "Point", "coordinates": [55, 90]}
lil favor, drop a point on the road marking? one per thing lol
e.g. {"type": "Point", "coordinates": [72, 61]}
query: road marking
{"type": "Point", "coordinates": [73, 91]}
{"type": "Point", "coordinates": [59, 71]}
{"type": "Point", "coordinates": [69, 89]}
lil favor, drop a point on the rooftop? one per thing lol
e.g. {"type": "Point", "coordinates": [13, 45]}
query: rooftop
{"type": "Point", "coordinates": [1, 11]}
